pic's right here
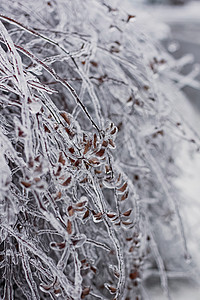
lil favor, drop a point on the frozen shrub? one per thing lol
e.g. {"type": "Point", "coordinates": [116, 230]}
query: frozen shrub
{"type": "Point", "coordinates": [88, 137]}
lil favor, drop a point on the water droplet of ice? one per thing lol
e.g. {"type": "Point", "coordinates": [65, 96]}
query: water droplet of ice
{"type": "Point", "coordinates": [173, 46]}
{"type": "Point", "coordinates": [35, 106]}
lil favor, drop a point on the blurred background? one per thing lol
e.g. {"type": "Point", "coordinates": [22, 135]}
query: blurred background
{"type": "Point", "coordinates": [183, 19]}
{"type": "Point", "coordinates": [181, 39]}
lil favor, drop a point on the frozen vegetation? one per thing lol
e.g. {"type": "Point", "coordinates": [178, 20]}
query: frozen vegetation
{"type": "Point", "coordinates": [89, 137]}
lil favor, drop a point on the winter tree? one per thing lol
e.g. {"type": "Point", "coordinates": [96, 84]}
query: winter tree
{"type": "Point", "coordinates": [89, 136]}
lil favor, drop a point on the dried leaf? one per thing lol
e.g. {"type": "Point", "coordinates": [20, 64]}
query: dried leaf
{"type": "Point", "coordinates": [129, 99]}
{"type": "Point", "coordinates": [65, 117]}
{"type": "Point", "coordinates": [84, 137]}
{"type": "Point", "coordinates": [94, 63]}
{"type": "Point", "coordinates": [78, 241]}
{"type": "Point", "coordinates": [107, 168]}
{"type": "Point", "coordinates": [37, 158]}
{"type": "Point", "coordinates": [77, 163]}
{"type": "Point", "coordinates": [113, 131]}
{"type": "Point", "coordinates": [87, 147]}
{"type": "Point", "coordinates": [93, 269]}
{"type": "Point", "coordinates": [40, 186]}
{"type": "Point", "coordinates": [159, 132]}
{"type": "Point", "coordinates": [124, 196]}
{"type": "Point", "coordinates": [31, 163]}
{"type": "Point", "coordinates": [81, 204]}
{"type": "Point", "coordinates": [72, 160]}
{"type": "Point", "coordinates": [21, 133]}
{"type": "Point", "coordinates": [119, 177]}
{"type": "Point", "coordinates": [67, 182]}
{"type": "Point", "coordinates": [94, 161]}
{"type": "Point", "coordinates": [26, 184]}
{"type": "Point", "coordinates": [127, 213]}
{"type": "Point", "coordinates": [126, 223]}
{"type": "Point", "coordinates": [39, 168]}
{"type": "Point", "coordinates": [61, 159]}
{"type": "Point", "coordinates": [45, 288]}
{"type": "Point", "coordinates": [123, 187]}
{"type": "Point", "coordinates": [97, 171]}
{"type": "Point", "coordinates": [111, 143]}
{"type": "Point", "coordinates": [131, 249]}
{"type": "Point", "coordinates": [105, 143]}
{"type": "Point", "coordinates": [114, 49]}
{"type": "Point", "coordinates": [86, 215]}
{"type": "Point", "coordinates": [79, 209]}
{"type": "Point", "coordinates": [136, 177]}
{"type": "Point", "coordinates": [85, 292]}
{"type": "Point", "coordinates": [98, 218]}
{"type": "Point", "coordinates": [98, 215]}
{"type": "Point", "coordinates": [134, 275]}
{"type": "Point", "coordinates": [58, 196]}
{"type": "Point", "coordinates": [118, 224]}
{"type": "Point", "coordinates": [111, 125]}
{"type": "Point", "coordinates": [70, 211]}
{"type": "Point", "coordinates": [58, 171]}
{"type": "Point", "coordinates": [111, 215]}
{"type": "Point", "coordinates": [46, 129]}
{"type": "Point", "coordinates": [100, 153]}
{"type": "Point", "coordinates": [71, 150]}
{"type": "Point", "coordinates": [84, 180]}
{"type": "Point", "coordinates": [95, 141]}
{"type": "Point", "coordinates": [58, 246]}
{"type": "Point", "coordinates": [57, 292]}
{"type": "Point", "coordinates": [69, 132]}
{"type": "Point", "coordinates": [116, 274]}
{"type": "Point", "coordinates": [111, 289]}
{"type": "Point", "coordinates": [69, 227]}
{"type": "Point", "coordinates": [129, 18]}
{"type": "Point", "coordinates": [37, 179]}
